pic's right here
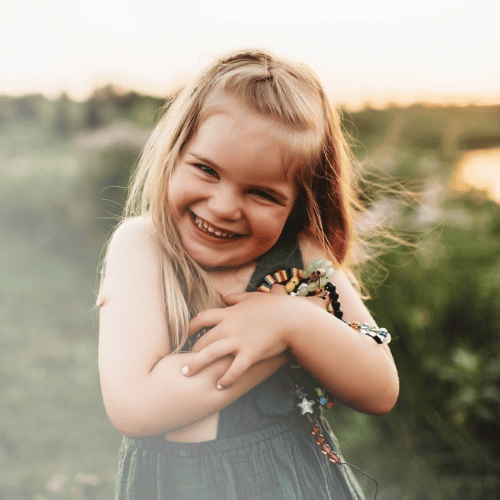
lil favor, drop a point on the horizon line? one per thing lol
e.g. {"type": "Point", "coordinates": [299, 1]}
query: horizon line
{"type": "Point", "coordinates": [372, 101]}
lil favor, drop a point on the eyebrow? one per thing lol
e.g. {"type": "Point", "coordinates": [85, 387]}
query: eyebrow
{"type": "Point", "coordinates": [282, 198]}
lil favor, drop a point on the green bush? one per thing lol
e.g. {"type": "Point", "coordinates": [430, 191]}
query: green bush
{"type": "Point", "coordinates": [442, 304]}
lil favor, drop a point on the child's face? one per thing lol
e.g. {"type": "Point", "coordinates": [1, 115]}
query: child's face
{"type": "Point", "coordinates": [231, 192]}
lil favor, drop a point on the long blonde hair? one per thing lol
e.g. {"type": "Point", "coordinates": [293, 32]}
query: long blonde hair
{"type": "Point", "coordinates": [288, 93]}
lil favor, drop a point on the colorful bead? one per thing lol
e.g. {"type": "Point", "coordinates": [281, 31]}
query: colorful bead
{"type": "Point", "coordinates": [321, 442]}
{"type": "Point", "coordinates": [325, 449]}
{"type": "Point", "coordinates": [312, 281]}
{"type": "Point", "coordinates": [302, 290]}
{"type": "Point", "coordinates": [364, 328]}
{"type": "Point", "coordinates": [321, 267]}
{"type": "Point", "coordinates": [280, 277]}
{"type": "Point", "coordinates": [380, 335]}
{"type": "Point", "coordinates": [292, 284]}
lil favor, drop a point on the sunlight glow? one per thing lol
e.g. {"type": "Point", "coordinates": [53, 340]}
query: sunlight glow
{"type": "Point", "coordinates": [480, 169]}
{"type": "Point", "coordinates": [363, 51]}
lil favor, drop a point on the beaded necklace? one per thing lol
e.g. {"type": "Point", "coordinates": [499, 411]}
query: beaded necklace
{"type": "Point", "coordinates": [310, 396]}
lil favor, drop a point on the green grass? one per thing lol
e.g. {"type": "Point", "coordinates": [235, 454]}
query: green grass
{"type": "Point", "coordinates": [53, 424]}
{"type": "Point", "coordinates": [55, 439]}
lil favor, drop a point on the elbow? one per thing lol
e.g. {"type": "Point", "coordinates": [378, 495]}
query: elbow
{"type": "Point", "coordinates": [375, 400]}
{"type": "Point", "coordinates": [385, 398]}
{"type": "Point", "coordinates": [130, 415]}
{"type": "Point", "coordinates": [378, 398]}
{"type": "Point", "coordinates": [123, 418]}
{"type": "Point", "coordinates": [132, 430]}
{"type": "Point", "coordinates": [383, 407]}
{"type": "Point", "coordinates": [131, 422]}
{"type": "Point", "coordinates": [127, 425]}
{"type": "Point", "coordinates": [386, 391]}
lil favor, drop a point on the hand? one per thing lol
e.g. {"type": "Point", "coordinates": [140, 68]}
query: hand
{"type": "Point", "coordinates": [253, 328]}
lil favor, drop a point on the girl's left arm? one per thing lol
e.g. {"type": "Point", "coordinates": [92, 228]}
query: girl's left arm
{"type": "Point", "coordinates": [350, 365]}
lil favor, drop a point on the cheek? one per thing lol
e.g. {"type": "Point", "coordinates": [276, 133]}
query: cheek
{"type": "Point", "coordinates": [272, 223]}
{"type": "Point", "coordinates": [170, 199]}
{"type": "Point", "coordinates": [178, 191]}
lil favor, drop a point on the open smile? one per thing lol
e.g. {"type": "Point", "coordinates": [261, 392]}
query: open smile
{"type": "Point", "coordinates": [212, 230]}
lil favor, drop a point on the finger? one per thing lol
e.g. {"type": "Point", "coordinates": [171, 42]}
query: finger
{"type": "Point", "coordinates": [237, 368]}
{"type": "Point", "coordinates": [204, 319]}
{"type": "Point", "coordinates": [235, 298]}
{"type": "Point", "coordinates": [207, 338]}
{"type": "Point", "coordinates": [207, 356]}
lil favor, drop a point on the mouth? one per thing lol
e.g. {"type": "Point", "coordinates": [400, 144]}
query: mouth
{"type": "Point", "coordinates": [211, 230]}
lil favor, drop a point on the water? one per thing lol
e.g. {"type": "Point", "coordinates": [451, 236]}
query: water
{"type": "Point", "coordinates": [479, 169]}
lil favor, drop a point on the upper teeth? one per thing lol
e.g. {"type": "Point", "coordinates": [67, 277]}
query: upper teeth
{"type": "Point", "coordinates": [203, 225]}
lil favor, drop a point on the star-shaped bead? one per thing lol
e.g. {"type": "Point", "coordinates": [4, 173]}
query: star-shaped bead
{"type": "Point", "coordinates": [306, 406]}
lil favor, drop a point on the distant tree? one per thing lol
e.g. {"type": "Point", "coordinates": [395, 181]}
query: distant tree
{"type": "Point", "coordinates": [5, 110]}
{"type": "Point", "coordinates": [28, 107]}
{"type": "Point", "coordinates": [62, 122]}
{"type": "Point", "coordinates": [93, 117]}
{"type": "Point", "coordinates": [102, 108]}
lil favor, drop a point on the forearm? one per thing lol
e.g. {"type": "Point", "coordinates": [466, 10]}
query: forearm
{"type": "Point", "coordinates": [350, 365]}
{"type": "Point", "coordinates": [165, 399]}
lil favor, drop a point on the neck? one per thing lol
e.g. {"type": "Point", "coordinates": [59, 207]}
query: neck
{"type": "Point", "coordinates": [231, 280]}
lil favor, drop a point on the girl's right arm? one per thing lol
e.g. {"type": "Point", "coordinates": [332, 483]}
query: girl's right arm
{"type": "Point", "coordinates": [143, 388]}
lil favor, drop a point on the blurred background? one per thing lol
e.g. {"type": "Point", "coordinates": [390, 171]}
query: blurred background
{"type": "Point", "coordinates": [419, 89]}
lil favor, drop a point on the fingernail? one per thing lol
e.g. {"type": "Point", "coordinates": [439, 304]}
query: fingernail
{"type": "Point", "coordinates": [219, 387]}
{"type": "Point", "coordinates": [185, 370]}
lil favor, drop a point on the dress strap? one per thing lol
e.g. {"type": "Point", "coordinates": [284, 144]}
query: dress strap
{"type": "Point", "coordinates": [284, 254]}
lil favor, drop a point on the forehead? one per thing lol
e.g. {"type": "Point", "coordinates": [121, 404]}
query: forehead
{"type": "Point", "coordinates": [301, 145]}
{"type": "Point", "coordinates": [233, 135]}
{"type": "Point", "coordinates": [299, 126]}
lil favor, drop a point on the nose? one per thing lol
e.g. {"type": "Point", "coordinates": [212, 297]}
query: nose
{"type": "Point", "coordinates": [225, 203]}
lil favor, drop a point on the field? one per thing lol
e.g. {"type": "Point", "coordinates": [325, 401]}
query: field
{"type": "Point", "coordinates": [63, 166]}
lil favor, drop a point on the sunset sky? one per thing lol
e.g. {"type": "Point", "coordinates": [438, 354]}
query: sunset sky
{"type": "Point", "coordinates": [364, 51]}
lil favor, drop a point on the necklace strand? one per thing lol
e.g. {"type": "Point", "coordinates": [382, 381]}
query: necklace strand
{"type": "Point", "coordinates": [308, 282]}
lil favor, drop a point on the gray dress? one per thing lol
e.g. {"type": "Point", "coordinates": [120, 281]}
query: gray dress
{"type": "Point", "coordinates": [264, 448]}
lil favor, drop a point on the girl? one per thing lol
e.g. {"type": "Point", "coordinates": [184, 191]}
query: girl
{"type": "Point", "coordinates": [245, 175]}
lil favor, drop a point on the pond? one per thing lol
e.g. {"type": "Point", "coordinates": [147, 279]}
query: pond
{"type": "Point", "coordinates": [479, 169]}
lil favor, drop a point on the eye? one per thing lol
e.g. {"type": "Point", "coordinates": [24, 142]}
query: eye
{"type": "Point", "coordinates": [265, 195]}
{"type": "Point", "coordinates": [207, 170]}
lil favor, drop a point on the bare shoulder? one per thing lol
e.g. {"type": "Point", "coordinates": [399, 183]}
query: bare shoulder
{"type": "Point", "coordinates": [133, 245]}
{"type": "Point", "coordinates": [132, 235]}
{"type": "Point", "coordinates": [309, 248]}
{"type": "Point", "coordinates": [132, 253]}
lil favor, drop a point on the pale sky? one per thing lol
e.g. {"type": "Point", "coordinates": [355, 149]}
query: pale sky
{"type": "Point", "coordinates": [363, 50]}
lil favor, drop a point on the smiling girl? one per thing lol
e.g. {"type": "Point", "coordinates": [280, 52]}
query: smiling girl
{"type": "Point", "coordinates": [247, 174]}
